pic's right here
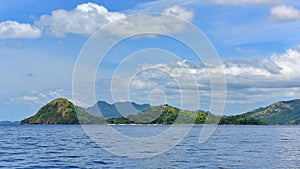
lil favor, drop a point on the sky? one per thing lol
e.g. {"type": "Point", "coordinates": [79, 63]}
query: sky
{"type": "Point", "coordinates": [45, 48]}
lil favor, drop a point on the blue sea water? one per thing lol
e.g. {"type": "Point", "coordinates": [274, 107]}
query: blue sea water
{"type": "Point", "coordinates": [68, 146]}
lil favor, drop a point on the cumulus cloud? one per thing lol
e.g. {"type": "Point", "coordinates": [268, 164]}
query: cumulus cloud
{"type": "Point", "coordinates": [248, 81]}
{"type": "Point", "coordinates": [179, 12]}
{"type": "Point", "coordinates": [280, 70]}
{"type": "Point", "coordinates": [13, 29]}
{"type": "Point", "coordinates": [239, 73]}
{"type": "Point", "coordinates": [87, 18]}
{"type": "Point", "coordinates": [289, 62]}
{"type": "Point", "coordinates": [135, 24]}
{"type": "Point", "coordinates": [283, 13]}
{"type": "Point", "coordinates": [164, 23]}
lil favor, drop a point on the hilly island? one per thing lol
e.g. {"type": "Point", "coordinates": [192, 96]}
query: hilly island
{"type": "Point", "coordinates": [62, 111]}
{"type": "Point", "coordinates": [282, 113]}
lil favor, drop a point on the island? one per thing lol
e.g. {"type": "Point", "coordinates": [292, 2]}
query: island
{"type": "Point", "coordinates": [279, 113]}
{"type": "Point", "coordinates": [63, 111]}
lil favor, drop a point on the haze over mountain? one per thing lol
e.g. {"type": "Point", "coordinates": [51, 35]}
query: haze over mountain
{"type": "Point", "coordinates": [9, 122]}
{"type": "Point", "coordinates": [118, 109]}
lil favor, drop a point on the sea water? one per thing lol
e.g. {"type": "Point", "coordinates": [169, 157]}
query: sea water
{"type": "Point", "coordinates": [68, 146]}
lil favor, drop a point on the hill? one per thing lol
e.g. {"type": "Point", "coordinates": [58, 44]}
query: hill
{"type": "Point", "coordinates": [283, 112]}
{"type": "Point", "coordinates": [116, 110]}
{"type": "Point", "coordinates": [240, 120]}
{"type": "Point", "coordinates": [62, 111]}
{"type": "Point", "coordinates": [166, 114]}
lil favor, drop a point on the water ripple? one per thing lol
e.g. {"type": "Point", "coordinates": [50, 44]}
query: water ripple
{"type": "Point", "coordinates": [67, 146]}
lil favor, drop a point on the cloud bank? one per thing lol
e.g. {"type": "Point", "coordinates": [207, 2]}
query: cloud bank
{"type": "Point", "coordinates": [248, 81]}
{"type": "Point", "coordinates": [283, 13]}
{"type": "Point", "coordinates": [164, 23]}
{"type": "Point", "coordinates": [276, 71]}
{"type": "Point", "coordinates": [87, 18]}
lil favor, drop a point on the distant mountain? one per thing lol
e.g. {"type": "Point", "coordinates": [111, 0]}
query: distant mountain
{"type": "Point", "coordinates": [118, 109]}
{"type": "Point", "coordinates": [283, 112]}
{"type": "Point", "coordinates": [9, 122]}
{"type": "Point", "coordinates": [62, 111]}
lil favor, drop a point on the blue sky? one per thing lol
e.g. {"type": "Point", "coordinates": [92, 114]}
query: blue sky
{"type": "Point", "coordinates": [257, 42]}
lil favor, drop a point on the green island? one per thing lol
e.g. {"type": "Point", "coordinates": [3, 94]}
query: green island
{"type": "Point", "coordinates": [170, 115]}
{"type": "Point", "coordinates": [279, 113]}
{"type": "Point", "coordinates": [62, 111]}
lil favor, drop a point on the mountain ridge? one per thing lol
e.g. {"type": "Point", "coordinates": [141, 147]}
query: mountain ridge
{"type": "Point", "coordinates": [117, 109]}
{"type": "Point", "coordinates": [281, 112]}
{"type": "Point", "coordinates": [62, 111]}
{"type": "Point", "coordinates": [166, 114]}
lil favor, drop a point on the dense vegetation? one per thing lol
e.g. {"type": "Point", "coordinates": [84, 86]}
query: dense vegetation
{"type": "Point", "coordinates": [283, 112]}
{"type": "Point", "coordinates": [62, 111]}
{"type": "Point", "coordinates": [170, 115]}
{"type": "Point", "coordinates": [240, 120]}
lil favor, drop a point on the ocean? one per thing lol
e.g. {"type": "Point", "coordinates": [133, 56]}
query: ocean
{"type": "Point", "coordinates": [68, 146]}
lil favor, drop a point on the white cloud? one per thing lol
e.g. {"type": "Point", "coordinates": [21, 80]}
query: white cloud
{"type": "Point", "coordinates": [13, 29]}
{"type": "Point", "coordinates": [283, 13]}
{"type": "Point", "coordinates": [289, 62]}
{"type": "Point", "coordinates": [240, 2]}
{"type": "Point", "coordinates": [136, 24]}
{"type": "Point", "coordinates": [248, 81]}
{"type": "Point", "coordinates": [277, 71]}
{"type": "Point", "coordinates": [179, 12]}
{"type": "Point", "coordinates": [29, 98]}
{"type": "Point", "coordinates": [39, 98]}
{"type": "Point", "coordinates": [87, 18]}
